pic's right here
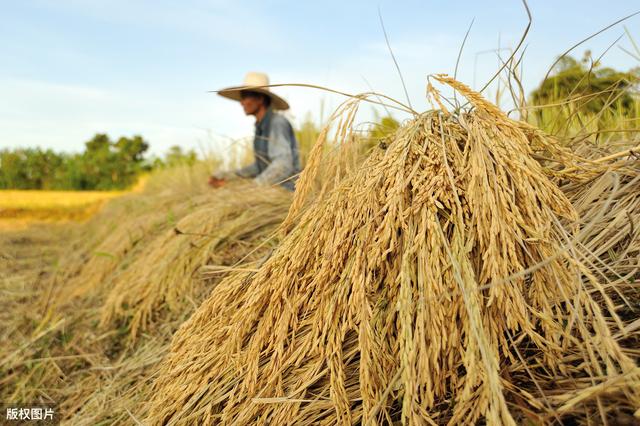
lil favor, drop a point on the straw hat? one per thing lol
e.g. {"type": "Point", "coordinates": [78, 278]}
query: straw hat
{"type": "Point", "coordinates": [256, 82]}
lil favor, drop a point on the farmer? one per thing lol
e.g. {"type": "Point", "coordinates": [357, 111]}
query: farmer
{"type": "Point", "coordinates": [274, 145]}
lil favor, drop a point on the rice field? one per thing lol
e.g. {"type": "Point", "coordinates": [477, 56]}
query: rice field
{"type": "Point", "coordinates": [20, 209]}
{"type": "Point", "coordinates": [35, 200]}
{"type": "Point", "coordinates": [467, 269]}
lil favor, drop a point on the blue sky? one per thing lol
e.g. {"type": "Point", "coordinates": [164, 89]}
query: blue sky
{"type": "Point", "coordinates": [72, 68]}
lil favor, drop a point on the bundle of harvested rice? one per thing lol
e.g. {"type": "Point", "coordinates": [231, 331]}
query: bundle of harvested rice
{"type": "Point", "coordinates": [95, 250]}
{"type": "Point", "coordinates": [609, 209]}
{"type": "Point", "coordinates": [165, 275]}
{"type": "Point", "coordinates": [432, 285]}
{"type": "Point", "coordinates": [98, 248]}
{"type": "Point", "coordinates": [608, 241]}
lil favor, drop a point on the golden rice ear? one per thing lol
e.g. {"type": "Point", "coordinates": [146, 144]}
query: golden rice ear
{"type": "Point", "coordinates": [341, 122]}
{"type": "Point", "coordinates": [434, 94]}
{"type": "Point", "coordinates": [475, 98]}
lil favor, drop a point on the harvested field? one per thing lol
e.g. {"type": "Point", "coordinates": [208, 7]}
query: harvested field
{"type": "Point", "coordinates": [471, 269]}
{"type": "Point", "coordinates": [88, 332]}
{"type": "Point", "coordinates": [52, 205]}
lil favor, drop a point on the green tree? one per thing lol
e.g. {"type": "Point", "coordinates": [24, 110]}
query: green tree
{"type": "Point", "coordinates": [96, 163]}
{"type": "Point", "coordinates": [103, 165]}
{"type": "Point", "coordinates": [71, 175]}
{"type": "Point", "coordinates": [13, 169]}
{"type": "Point", "coordinates": [131, 150]}
{"type": "Point", "coordinates": [129, 156]}
{"type": "Point", "coordinates": [581, 90]}
{"type": "Point", "coordinates": [111, 165]}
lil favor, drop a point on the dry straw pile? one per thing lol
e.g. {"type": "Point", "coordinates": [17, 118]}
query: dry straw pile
{"type": "Point", "coordinates": [446, 280]}
{"type": "Point", "coordinates": [89, 332]}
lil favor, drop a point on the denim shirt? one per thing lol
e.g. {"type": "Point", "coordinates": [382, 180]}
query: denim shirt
{"type": "Point", "coordinates": [277, 159]}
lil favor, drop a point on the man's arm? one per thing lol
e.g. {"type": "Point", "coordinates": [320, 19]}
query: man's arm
{"type": "Point", "coordinates": [249, 171]}
{"type": "Point", "coordinates": [281, 166]}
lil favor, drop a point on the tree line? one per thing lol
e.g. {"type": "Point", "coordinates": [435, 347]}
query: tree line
{"type": "Point", "coordinates": [104, 164]}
